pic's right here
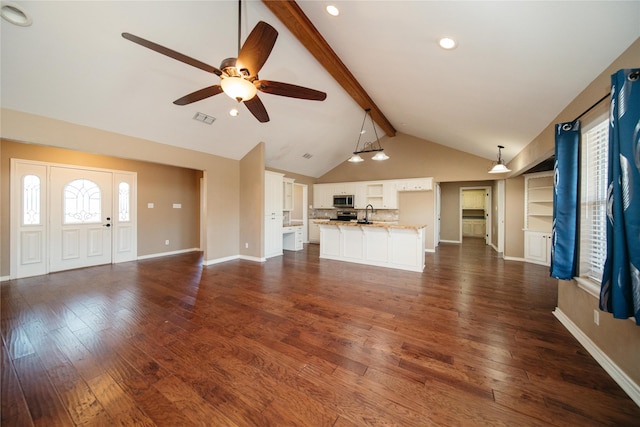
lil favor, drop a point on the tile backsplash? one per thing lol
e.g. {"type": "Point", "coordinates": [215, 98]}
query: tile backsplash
{"type": "Point", "coordinates": [378, 214]}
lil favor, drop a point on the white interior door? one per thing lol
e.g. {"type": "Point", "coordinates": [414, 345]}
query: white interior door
{"type": "Point", "coordinates": [81, 218]}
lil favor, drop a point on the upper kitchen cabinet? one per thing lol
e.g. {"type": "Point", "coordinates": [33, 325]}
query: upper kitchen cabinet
{"type": "Point", "coordinates": [323, 196]}
{"type": "Point", "coordinates": [287, 194]}
{"type": "Point", "coordinates": [473, 199]}
{"type": "Point", "coordinates": [344, 188]}
{"type": "Point", "coordinates": [379, 194]}
{"type": "Point", "coordinates": [415, 184]}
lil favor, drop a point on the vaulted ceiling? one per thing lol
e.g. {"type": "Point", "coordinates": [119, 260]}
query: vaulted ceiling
{"type": "Point", "coordinates": [517, 65]}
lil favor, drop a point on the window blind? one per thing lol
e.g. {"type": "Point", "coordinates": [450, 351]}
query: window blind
{"type": "Point", "coordinates": [594, 201]}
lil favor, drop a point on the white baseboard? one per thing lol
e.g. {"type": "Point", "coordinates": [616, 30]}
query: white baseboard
{"type": "Point", "coordinates": [618, 375]}
{"type": "Point", "coordinates": [5, 278]}
{"type": "Point", "coordinates": [231, 258]}
{"type": "Point", "coordinates": [219, 260]}
{"type": "Point", "coordinates": [511, 258]}
{"type": "Point", "coordinates": [158, 255]}
{"type": "Point", "coordinates": [451, 241]}
{"type": "Point", "coordinates": [430, 250]}
{"type": "Point", "coordinates": [253, 258]}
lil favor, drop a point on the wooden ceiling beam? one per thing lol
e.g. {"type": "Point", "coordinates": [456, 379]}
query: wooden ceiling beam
{"type": "Point", "coordinates": [297, 22]}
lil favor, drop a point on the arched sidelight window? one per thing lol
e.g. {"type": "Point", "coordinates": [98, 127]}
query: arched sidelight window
{"type": "Point", "coordinates": [82, 202]}
{"type": "Point", "coordinates": [124, 202]}
{"type": "Point", "coordinates": [31, 209]}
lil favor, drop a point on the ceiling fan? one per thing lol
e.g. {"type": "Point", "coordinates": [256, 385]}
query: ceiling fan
{"type": "Point", "coordinates": [239, 76]}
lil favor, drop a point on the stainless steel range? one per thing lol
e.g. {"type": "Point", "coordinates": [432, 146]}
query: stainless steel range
{"type": "Point", "coordinates": [345, 216]}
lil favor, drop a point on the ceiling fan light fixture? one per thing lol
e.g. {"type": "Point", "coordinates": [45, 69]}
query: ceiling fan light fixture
{"type": "Point", "coordinates": [238, 88]}
{"type": "Point", "coordinates": [356, 158]}
{"type": "Point", "coordinates": [500, 167]}
{"type": "Point", "coordinates": [234, 112]}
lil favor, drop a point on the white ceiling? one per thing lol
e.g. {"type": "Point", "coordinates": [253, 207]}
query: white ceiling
{"type": "Point", "coordinates": [518, 64]}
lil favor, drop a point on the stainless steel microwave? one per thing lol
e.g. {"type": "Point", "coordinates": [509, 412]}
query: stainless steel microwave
{"type": "Point", "coordinates": [342, 201]}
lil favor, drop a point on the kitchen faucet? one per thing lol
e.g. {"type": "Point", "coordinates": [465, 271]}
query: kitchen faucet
{"type": "Point", "coordinates": [366, 212]}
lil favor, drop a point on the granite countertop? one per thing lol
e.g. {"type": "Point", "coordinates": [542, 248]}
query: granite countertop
{"type": "Point", "coordinates": [375, 224]}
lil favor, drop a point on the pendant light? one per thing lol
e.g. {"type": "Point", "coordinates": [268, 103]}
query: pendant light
{"type": "Point", "coordinates": [500, 167]}
{"type": "Point", "coordinates": [368, 147]}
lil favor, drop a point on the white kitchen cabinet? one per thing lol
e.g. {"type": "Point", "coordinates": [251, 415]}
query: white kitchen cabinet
{"type": "Point", "coordinates": [273, 191]}
{"type": "Point", "coordinates": [292, 238]}
{"type": "Point", "coordinates": [323, 196]}
{"type": "Point", "coordinates": [473, 199]}
{"type": "Point", "coordinates": [414, 184]}
{"type": "Point", "coordinates": [379, 194]}
{"type": "Point", "coordinates": [473, 227]}
{"type": "Point", "coordinates": [344, 188]}
{"type": "Point", "coordinates": [390, 246]}
{"type": "Point", "coordinates": [314, 231]}
{"type": "Point", "coordinates": [537, 247]}
{"type": "Point", "coordinates": [287, 194]}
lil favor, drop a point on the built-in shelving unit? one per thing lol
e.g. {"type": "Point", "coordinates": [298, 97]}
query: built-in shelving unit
{"type": "Point", "coordinates": [539, 202]}
{"type": "Point", "coordinates": [538, 217]}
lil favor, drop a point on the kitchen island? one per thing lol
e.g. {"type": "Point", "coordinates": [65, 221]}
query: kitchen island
{"type": "Point", "coordinates": [378, 243]}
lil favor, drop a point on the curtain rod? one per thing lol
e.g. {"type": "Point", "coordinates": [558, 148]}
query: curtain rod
{"type": "Point", "coordinates": [591, 108]}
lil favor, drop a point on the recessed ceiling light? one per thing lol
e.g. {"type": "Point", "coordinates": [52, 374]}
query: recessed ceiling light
{"type": "Point", "coordinates": [14, 14]}
{"type": "Point", "coordinates": [332, 10]}
{"type": "Point", "coordinates": [447, 43]}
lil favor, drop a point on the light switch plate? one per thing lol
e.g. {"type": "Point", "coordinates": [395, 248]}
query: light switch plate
{"type": "Point", "coordinates": [150, 205]}
{"type": "Point", "coordinates": [177, 206]}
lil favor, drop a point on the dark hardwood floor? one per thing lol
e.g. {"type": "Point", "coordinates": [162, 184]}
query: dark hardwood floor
{"type": "Point", "coordinates": [299, 341]}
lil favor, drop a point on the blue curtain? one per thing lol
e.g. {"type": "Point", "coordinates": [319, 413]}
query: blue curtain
{"type": "Point", "coordinates": [620, 291]}
{"type": "Point", "coordinates": [566, 210]}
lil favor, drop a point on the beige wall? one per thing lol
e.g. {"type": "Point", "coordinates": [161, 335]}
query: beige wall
{"type": "Point", "coordinates": [411, 157]}
{"type": "Point", "coordinates": [222, 175]}
{"type": "Point", "coordinates": [618, 339]}
{"type": "Point", "coordinates": [417, 207]}
{"type": "Point", "coordinates": [252, 203]}
{"type": "Point", "coordinates": [514, 218]}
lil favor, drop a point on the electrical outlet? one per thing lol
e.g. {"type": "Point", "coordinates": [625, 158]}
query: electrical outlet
{"type": "Point", "coordinates": [166, 242]}
{"type": "Point", "coordinates": [246, 246]}
{"type": "Point", "coordinates": [596, 317]}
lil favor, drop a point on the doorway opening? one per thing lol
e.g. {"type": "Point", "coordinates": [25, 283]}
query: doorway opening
{"type": "Point", "coordinates": [475, 213]}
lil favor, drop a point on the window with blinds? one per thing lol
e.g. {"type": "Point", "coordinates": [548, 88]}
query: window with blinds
{"type": "Point", "coordinates": [593, 225]}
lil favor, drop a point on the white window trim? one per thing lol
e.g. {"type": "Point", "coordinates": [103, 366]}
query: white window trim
{"type": "Point", "coordinates": [589, 285]}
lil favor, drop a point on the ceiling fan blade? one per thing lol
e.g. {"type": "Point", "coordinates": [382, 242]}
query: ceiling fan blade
{"type": "Point", "coordinates": [287, 89]}
{"type": "Point", "coordinates": [172, 53]}
{"type": "Point", "coordinates": [257, 47]}
{"type": "Point", "coordinates": [199, 95]}
{"type": "Point", "coordinates": [257, 109]}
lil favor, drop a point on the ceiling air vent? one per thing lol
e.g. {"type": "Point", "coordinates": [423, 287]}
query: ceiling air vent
{"type": "Point", "coordinates": [307, 155]}
{"type": "Point", "coordinates": [201, 117]}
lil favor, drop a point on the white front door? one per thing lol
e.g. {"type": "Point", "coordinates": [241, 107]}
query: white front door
{"type": "Point", "coordinates": [81, 218]}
